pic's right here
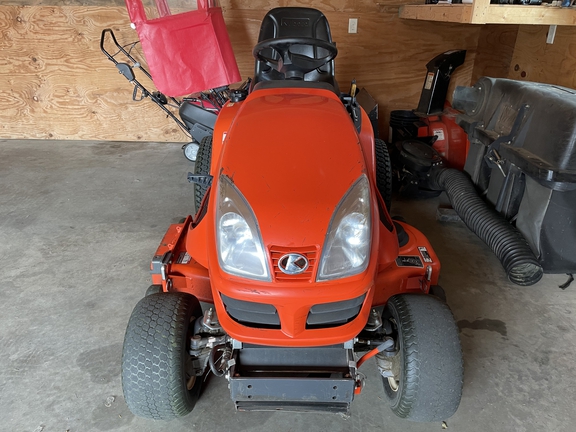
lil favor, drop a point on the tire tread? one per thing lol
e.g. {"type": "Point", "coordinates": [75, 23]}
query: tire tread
{"type": "Point", "coordinates": [202, 167]}
{"type": "Point", "coordinates": [432, 377]}
{"type": "Point", "coordinates": [383, 172]}
{"type": "Point", "coordinates": [154, 355]}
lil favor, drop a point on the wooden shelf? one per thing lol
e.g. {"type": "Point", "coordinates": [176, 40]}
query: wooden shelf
{"type": "Point", "coordinates": [482, 12]}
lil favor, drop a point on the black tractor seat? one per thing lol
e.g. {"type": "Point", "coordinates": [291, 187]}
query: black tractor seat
{"type": "Point", "coordinates": [263, 85]}
{"type": "Point", "coordinates": [286, 22]}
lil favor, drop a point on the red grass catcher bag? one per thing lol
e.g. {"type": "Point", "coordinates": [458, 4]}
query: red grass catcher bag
{"type": "Point", "coordinates": [187, 52]}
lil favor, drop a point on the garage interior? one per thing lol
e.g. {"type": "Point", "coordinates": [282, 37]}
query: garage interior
{"type": "Point", "coordinates": [91, 181]}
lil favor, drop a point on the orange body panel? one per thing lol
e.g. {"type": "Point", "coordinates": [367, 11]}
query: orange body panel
{"type": "Point", "coordinates": [452, 142]}
{"type": "Point", "coordinates": [293, 154]}
{"type": "Point", "coordinates": [459, 144]}
{"type": "Point", "coordinates": [393, 279]}
{"type": "Point", "coordinates": [183, 273]}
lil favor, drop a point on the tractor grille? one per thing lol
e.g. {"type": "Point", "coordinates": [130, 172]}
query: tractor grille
{"type": "Point", "coordinates": [310, 252]}
{"type": "Point", "coordinates": [334, 314]}
{"type": "Point", "coordinates": [251, 314]}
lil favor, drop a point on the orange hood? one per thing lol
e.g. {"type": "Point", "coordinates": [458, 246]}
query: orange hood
{"type": "Point", "coordinates": [293, 155]}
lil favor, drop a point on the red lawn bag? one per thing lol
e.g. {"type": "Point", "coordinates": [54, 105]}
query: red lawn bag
{"type": "Point", "coordinates": [187, 52]}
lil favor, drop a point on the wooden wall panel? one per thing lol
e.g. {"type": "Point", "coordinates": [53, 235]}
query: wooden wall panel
{"type": "Point", "coordinates": [535, 60]}
{"type": "Point", "coordinates": [57, 84]}
{"type": "Point", "coordinates": [60, 86]}
{"type": "Point", "coordinates": [495, 50]}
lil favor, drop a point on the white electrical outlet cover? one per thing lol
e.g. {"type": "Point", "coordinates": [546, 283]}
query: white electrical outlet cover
{"type": "Point", "coordinates": [353, 25]}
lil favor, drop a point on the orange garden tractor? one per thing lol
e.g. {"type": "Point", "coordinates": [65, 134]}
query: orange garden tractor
{"type": "Point", "coordinates": [291, 273]}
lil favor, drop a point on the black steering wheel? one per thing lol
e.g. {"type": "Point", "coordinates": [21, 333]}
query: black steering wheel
{"type": "Point", "coordinates": [293, 65]}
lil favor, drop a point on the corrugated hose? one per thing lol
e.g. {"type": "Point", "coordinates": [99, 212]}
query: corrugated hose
{"type": "Point", "coordinates": [504, 239]}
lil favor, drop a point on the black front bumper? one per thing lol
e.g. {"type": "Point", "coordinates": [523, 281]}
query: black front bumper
{"type": "Point", "coordinates": [293, 379]}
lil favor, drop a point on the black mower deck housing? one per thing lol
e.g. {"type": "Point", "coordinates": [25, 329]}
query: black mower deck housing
{"type": "Point", "coordinates": [523, 158]}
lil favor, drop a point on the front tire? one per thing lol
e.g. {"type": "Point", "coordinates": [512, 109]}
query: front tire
{"type": "Point", "coordinates": [157, 378]}
{"type": "Point", "coordinates": [427, 383]}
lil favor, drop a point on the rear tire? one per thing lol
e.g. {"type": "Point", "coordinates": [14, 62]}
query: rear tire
{"type": "Point", "coordinates": [202, 167]}
{"type": "Point", "coordinates": [428, 384]}
{"type": "Point", "coordinates": [383, 172]}
{"type": "Point", "coordinates": [157, 379]}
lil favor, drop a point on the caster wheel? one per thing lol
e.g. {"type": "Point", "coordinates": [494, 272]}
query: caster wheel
{"type": "Point", "coordinates": [190, 151]}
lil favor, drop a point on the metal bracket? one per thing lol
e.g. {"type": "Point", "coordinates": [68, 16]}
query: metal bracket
{"type": "Point", "coordinates": [428, 273]}
{"type": "Point", "coordinates": [126, 70]}
{"type": "Point", "coordinates": [387, 361]}
{"type": "Point", "coordinates": [199, 132]}
{"type": "Point", "coordinates": [374, 321]}
{"type": "Point", "coordinates": [209, 323]}
{"type": "Point", "coordinates": [135, 96]}
{"type": "Point", "coordinates": [492, 156]}
{"type": "Point", "coordinates": [203, 180]}
{"type": "Point", "coordinates": [551, 34]}
{"type": "Point", "coordinates": [159, 263]}
{"type": "Point", "coordinates": [350, 344]}
{"type": "Point", "coordinates": [497, 160]}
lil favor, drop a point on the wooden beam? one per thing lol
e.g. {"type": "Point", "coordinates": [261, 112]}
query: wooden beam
{"type": "Point", "coordinates": [539, 15]}
{"type": "Point", "coordinates": [461, 13]}
{"type": "Point", "coordinates": [482, 12]}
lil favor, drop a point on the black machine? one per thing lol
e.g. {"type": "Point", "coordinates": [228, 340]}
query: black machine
{"type": "Point", "coordinates": [427, 137]}
{"type": "Point", "coordinates": [518, 188]}
{"type": "Point", "coordinates": [435, 88]}
{"type": "Point", "coordinates": [522, 157]}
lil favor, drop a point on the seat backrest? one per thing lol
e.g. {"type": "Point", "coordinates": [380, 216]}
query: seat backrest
{"type": "Point", "coordinates": [295, 22]}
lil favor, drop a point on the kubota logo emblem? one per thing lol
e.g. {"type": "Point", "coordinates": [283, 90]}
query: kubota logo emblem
{"type": "Point", "coordinates": [293, 264]}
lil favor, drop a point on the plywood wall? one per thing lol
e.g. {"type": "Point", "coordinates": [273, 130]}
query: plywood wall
{"type": "Point", "coordinates": [535, 60]}
{"type": "Point", "coordinates": [495, 49]}
{"type": "Point", "coordinates": [56, 84]}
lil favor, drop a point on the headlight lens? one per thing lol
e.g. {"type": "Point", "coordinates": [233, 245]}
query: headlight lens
{"type": "Point", "coordinates": [347, 245]}
{"type": "Point", "coordinates": [240, 247]}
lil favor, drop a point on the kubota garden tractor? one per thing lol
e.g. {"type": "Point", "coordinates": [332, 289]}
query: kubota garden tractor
{"type": "Point", "coordinates": [295, 257]}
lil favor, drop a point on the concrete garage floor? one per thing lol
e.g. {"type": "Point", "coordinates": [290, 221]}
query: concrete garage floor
{"type": "Point", "coordinates": [80, 222]}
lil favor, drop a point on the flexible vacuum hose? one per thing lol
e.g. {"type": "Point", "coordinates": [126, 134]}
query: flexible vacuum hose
{"type": "Point", "coordinates": [505, 240]}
